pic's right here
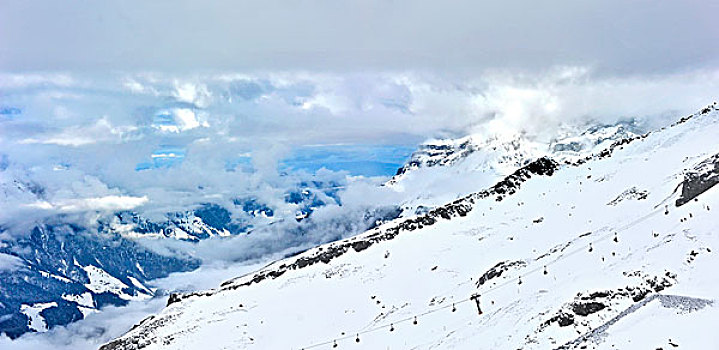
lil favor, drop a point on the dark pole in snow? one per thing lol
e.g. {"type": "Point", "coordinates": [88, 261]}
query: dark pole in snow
{"type": "Point", "coordinates": [475, 297]}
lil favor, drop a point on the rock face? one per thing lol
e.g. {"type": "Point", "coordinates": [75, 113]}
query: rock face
{"type": "Point", "coordinates": [632, 193]}
{"type": "Point", "coordinates": [586, 304]}
{"type": "Point", "coordinates": [497, 270]}
{"type": "Point", "coordinates": [698, 180]}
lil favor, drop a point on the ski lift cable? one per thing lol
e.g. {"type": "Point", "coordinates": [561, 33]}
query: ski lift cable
{"type": "Point", "coordinates": [389, 324]}
{"type": "Point", "coordinates": [488, 290]}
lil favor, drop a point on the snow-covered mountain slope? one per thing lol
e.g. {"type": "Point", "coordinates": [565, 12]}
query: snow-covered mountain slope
{"type": "Point", "coordinates": [508, 153]}
{"type": "Point", "coordinates": [445, 169]}
{"type": "Point", "coordinates": [586, 254]}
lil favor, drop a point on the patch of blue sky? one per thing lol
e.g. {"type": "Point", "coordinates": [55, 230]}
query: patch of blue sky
{"type": "Point", "coordinates": [243, 163]}
{"type": "Point", "coordinates": [9, 111]}
{"type": "Point", "coordinates": [366, 160]}
{"type": "Point", "coordinates": [165, 157]}
{"type": "Point", "coordinates": [164, 118]}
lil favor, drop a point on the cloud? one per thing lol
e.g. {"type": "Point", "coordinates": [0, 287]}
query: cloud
{"type": "Point", "coordinates": [82, 138]}
{"type": "Point", "coordinates": [100, 131]}
{"type": "Point", "coordinates": [9, 262]}
{"type": "Point", "coordinates": [453, 36]}
{"type": "Point", "coordinates": [104, 204]}
{"type": "Point", "coordinates": [178, 120]}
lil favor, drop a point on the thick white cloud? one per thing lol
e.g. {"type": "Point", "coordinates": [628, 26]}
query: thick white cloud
{"type": "Point", "coordinates": [82, 137]}
{"type": "Point", "coordinates": [9, 262]}
{"type": "Point", "coordinates": [103, 204]}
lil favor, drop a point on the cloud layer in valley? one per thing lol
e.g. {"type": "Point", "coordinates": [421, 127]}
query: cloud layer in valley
{"type": "Point", "coordinates": [157, 143]}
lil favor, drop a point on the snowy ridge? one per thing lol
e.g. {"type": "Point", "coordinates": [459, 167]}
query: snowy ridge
{"type": "Point", "coordinates": [504, 155]}
{"type": "Point", "coordinates": [546, 262]}
{"type": "Point", "coordinates": [443, 170]}
{"type": "Point", "coordinates": [182, 226]}
{"type": "Point", "coordinates": [494, 155]}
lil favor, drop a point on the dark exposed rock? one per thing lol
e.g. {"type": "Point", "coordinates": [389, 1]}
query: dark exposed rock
{"type": "Point", "coordinates": [144, 336]}
{"type": "Point", "coordinates": [584, 309]}
{"type": "Point", "coordinates": [640, 294]}
{"type": "Point", "coordinates": [497, 271]}
{"type": "Point", "coordinates": [595, 295]}
{"type": "Point", "coordinates": [174, 297]}
{"type": "Point", "coordinates": [587, 304]}
{"type": "Point", "coordinates": [360, 245]}
{"type": "Point", "coordinates": [700, 179]}
{"type": "Point", "coordinates": [632, 193]}
{"type": "Point", "coordinates": [563, 319]}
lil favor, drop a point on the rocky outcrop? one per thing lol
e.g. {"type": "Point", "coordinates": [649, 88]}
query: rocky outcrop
{"type": "Point", "coordinates": [700, 179]}
{"type": "Point", "coordinates": [498, 270]}
{"type": "Point", "coordinates": [632, 193]}
{"type": "Point", "coordinates": [584, 305]}
{"type": "Point", "coordinates": [682, 303]}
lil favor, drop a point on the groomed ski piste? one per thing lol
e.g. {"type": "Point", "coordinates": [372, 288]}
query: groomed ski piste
{"type": "Point", "coordinates": [592, 254]}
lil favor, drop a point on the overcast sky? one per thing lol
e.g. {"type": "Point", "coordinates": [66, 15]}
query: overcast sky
{"type": "Point", "coordinates": [611, 36]}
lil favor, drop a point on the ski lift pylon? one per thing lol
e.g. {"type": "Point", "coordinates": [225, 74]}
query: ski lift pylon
{"type": "Point", "coordinates": [475, 297]}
